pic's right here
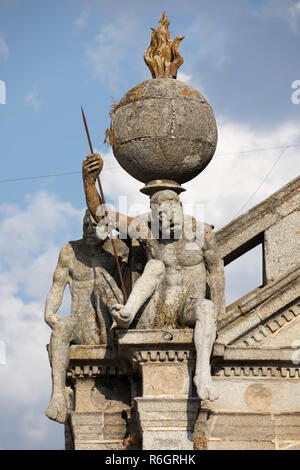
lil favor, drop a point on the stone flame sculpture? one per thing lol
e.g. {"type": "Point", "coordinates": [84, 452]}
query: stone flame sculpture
{"type": "Point", "coordinates": [162, 56]}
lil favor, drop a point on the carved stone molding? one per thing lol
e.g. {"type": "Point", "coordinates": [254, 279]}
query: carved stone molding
{"type": "Point", "coordinates": [270, 327]}
{"type": "Point", "coordinates": [163, 356]}
{"type": "Point", "coordinates": [263, 311]}
{"type": "Point", "coordinates": [256, 371]}
{"type": "Point", "coordinates": [80, 371]}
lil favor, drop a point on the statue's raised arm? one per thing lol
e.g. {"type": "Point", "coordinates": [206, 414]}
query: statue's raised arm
{"type": "Point", "coordinates": [91, 168]}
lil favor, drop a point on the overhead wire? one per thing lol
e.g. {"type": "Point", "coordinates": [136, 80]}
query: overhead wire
{"type": "Point", "coordinates": [70, 173]}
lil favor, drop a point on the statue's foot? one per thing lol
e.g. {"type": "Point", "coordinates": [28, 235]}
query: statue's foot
{"type": "Point", "coordinates": [205, 387]}
{"type": "Point", "coordinates": [57, 409]}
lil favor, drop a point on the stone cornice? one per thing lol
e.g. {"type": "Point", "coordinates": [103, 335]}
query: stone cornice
{"type": "Point", "coordinates": [260, 306]}
{"type": "Point", "coordinates": [235, 238]}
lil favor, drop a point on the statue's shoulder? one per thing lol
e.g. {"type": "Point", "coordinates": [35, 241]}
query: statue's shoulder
{"type": "Point", "coordinates": [197, 226]}
{"type": "Point", "coordinates": [143, 218]}
{"type": "Point", "coordinates": [208, 228]}
{"type": "Point", "coordinates": [67, 251]}
{"type": "Point", "coordinates": [121, 246]}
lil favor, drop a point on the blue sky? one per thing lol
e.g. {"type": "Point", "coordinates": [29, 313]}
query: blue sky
{"type": "Point", "coordinates": [57, 55]}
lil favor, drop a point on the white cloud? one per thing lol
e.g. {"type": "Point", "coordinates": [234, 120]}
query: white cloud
{"type": "Point", "coordinates": [82, 20]}
{"type": "Point", "coordinates": [214, 38]}
{"type": "Point", "coordinates": [232, 176]}
{"type": "Point", "coordinates": [111, 50]}
{"type": "Point", "coordinates": [32, 99]}
{"type": "Point", "coordinates": [287, 11]}
{"type": "Point", "coordinates": [30, 240]}
{"type": "Point", "coordinates": [4, 50]}
{"type": "Point", "coordinates": [243, 275]}
{"type": "Point", "coordinates": [295, 10]}
{"type": "Point", "coordinates": [184, 77]}
{"type": "Point", "coordinates": [294, 16]}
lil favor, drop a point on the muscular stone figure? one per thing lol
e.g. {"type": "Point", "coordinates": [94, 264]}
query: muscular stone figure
{"type": "Point", "coordinates": [85, 265]}
{"type": "Point", "coordinates": [179, 266]}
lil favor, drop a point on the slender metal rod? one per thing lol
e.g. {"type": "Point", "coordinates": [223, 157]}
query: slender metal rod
{"type": "Point", "coordinates": [102, 201]}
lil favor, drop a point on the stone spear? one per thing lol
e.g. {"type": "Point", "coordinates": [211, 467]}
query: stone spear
{"type": "Point", "coordinates": [106, 213]}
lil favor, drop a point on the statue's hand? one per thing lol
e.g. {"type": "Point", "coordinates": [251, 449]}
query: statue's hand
{"type": "Point", "coordinates": [120, 315]}
{"type": "Point", "coordinates": [91, 167]}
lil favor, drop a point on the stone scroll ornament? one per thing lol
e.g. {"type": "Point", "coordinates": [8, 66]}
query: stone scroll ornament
{"type": "Point", "coordinates": [162, 56]}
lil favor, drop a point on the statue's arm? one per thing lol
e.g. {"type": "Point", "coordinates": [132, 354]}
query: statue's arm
{"type": "Point", "coordinates": [60, 280]}
{"type": "Point", "coordinates": [215, 266]}
{"type": "Point", "coordinates": [91, 168]}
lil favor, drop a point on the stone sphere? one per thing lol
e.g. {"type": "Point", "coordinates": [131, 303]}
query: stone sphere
{"type": "Point", "coordinates": [163, 129]}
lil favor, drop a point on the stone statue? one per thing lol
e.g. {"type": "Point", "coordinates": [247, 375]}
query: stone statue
{"type": "Point", "coordinates": [177, 272]}
{"type": "Point", "coordinates": [88, 266]}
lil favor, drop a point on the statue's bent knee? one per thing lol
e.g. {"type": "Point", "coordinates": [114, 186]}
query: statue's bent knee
{"type": "Point", "coordinates": [155, 268]}
{"type": "Point", "coordinates": [63, 328]}
{"type": "Point", "coordinates": [205, 307]}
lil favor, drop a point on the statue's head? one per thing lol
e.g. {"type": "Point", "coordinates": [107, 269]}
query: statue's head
{"type": "Point", "coordinates": [93, 234]}
{"type": "Point", "coordinates": [166, 207]}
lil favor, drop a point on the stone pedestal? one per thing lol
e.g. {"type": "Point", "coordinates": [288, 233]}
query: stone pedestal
{"type": "Point", "coordinates": [139, 394]}
{"type": "Point", "coordinates": [136, 394]}
{"type": "Point", "coordinates": [167, 423]}
{"type": "Point", "coordinates": [101, 414]}
{"type": "Point", "coordinates": [167, 409]}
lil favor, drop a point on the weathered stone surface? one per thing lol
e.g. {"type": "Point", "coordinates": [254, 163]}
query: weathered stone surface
{"type": "Point", "coordinates": [239, 235]}
{"type": "Point", "coordinates": [257, 394]}
{"type": "Point", "coordinates": [242, 427]}
{"type": "Point", "coordinates": [173, 379]}
{"type": "Point", "coordinates": [147, 337]}
{"type": "Point", "coordinates": [115, 425]}
{"type": "Point", "coordinates": [218, 444]}
{"type": "Point", "coordinates": [87, 426]}
{"type": "Point", "coordinates": [287, 426]}
{"type": "Point", "coordinates": [100, 445]}
{"type": "Point", "coordinates": [183, 280]}
{"type": "Point", "coordinates": [251, 431]}
{"type": "Point", "coordinates": [99, 430]}
{"type": "Point", "coordinates": [167, 423]}
{"type": "Point", "coordinates": [167, 439]}
{"type": "Point", "coordinates": [282, 246]}
{"type": "Point", "coordinates": [163, 129]}
{"type": "Point", "coordinates": [83, 401]}
{"type": "Point", "coordinates": [262, 312]}
{"type": "Point", "coordinates": [84, 265]}
{"type": "Point", "coordinates": [111, 393]}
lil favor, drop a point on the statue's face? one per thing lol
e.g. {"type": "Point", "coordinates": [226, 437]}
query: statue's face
{"type": "Point", "coordinates": [170, 216]}
{"type": "Point", "coordinates": [89, 231]}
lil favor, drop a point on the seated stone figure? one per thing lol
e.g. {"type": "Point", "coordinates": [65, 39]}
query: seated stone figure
{"type": "Point", "coordinates": [178, 270]}
{"type": "Point", "coordinates": [89, 268]}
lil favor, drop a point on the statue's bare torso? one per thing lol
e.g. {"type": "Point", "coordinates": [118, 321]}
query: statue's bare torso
{"type": "Point", "coordinates": [184, 268]}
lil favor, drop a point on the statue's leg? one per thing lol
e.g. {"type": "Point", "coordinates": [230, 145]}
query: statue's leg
{"type": "Point", "coordinates": [145, 286]}
{"type": "Point", "coordinates": [62, 335]}
{"type": "Point", "coordinates": [143, 289]}
{"type": "Point", "coordinates": [107, 294]}
{"type": "Point", "coordinates": [203, 316]}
